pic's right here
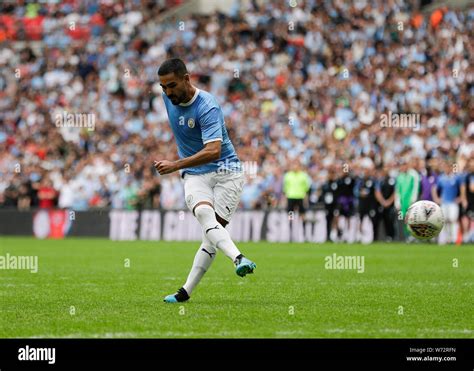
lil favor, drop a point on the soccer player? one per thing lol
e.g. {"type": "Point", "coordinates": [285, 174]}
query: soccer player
{"type": "Point", "coordinates": [428, 179]}
{"type": "Point", "coordinates": [407, 187]}
{"type": "Point", "coordinates": [367, 201]}
{"type": "Point", "coordinates": [467, 200]}
{"type": "Point", "coordinates": [296, 185]}
{"type": "Point", "coordinates": [385, 194]}
{"type": "Point", "coordinates": [447, 195]}
{"type": "Point", "coordinates": [211, 171]}
{"type": "Point", "coordinates": [329, 194]}
{"type": "Point", "coordinates": [345, 202]}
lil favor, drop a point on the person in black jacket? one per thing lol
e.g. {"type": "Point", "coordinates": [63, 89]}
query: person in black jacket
{"type": "Point", "coordinates": [385, 194]}
{"type": "Point", "coordinates": [329, 194]}
{"type": "Point", "coordinates": [367, 203]}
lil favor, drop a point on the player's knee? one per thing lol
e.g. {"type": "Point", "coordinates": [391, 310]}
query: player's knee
{"type": "Point", "coordinates": [202, 203]}
{"type": "Point", "coordinates": [204, 214]}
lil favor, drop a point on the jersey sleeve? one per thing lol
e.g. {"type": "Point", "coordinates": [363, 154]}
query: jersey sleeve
{"type": "Point", "coordinates": [211, 122]}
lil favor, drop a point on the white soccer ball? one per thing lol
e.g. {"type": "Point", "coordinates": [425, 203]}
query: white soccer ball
{"type": "Point", "coordinates": [424, 220]}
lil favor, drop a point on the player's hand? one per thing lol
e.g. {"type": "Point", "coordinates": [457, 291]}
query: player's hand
{"type": "Point", "coordinates": [165, 166]}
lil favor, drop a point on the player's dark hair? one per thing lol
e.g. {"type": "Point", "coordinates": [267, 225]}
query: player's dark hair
{"type": "Point", "coordinates": [173, 65]}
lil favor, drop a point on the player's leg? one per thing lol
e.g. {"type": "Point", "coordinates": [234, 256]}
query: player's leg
{"type": "Point", "coordinates": [464, 224]}
{"type": "Point", "coordinates": [470, 226]}
{"type": "Point", "coordinates": [470, 223]}
{"type": "Point", "coordinates": [389, 223]}
{"type": "Point", "coordinates": [405, 203]}
{"type": "Point", "coordinates": [349, 210]}
{"type": "Point", "coordinates": [363, 212]}
{"type": "Point", "coordinates": [227, 192]}
{"type": "Point", "coordinates": [196, 190]}
{"type": "Point", "coordinates": [334, 233]}
{"type": "Point", "coordinates": [290, 210]}
{"type": "Point", "coordinates": [202, 261]}
{"type": "Point", "coordinates": [214, 230]}
{"type": "Point", "coordinates": [329, 218]}
{"type": "Point", "coordinates": [447, 211]}
{"type": "Point", "coordinates": [374, 219]}
{"type": "Point", "coordinates": [445, 234]}
{"type": "Point", "coordinates": [454, 214]}
{"type": "Point", "coordinates": [461, 225]}
{"type": "Point", "coordinates": [200, 193]}
{"type": "Point", "coordinates": [302, 214]}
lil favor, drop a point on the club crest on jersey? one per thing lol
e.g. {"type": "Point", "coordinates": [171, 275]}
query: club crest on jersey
{"type": "Point", "coordinates": [189, 199]}
{"type": "Point", "coordinates": [191, 123]}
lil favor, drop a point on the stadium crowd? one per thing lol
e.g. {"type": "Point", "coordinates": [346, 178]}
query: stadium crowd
{"type": "Point", "coordinates": [300, 82]}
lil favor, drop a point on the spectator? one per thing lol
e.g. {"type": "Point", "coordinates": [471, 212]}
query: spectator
{"type": "Point", "coordinates": [66, 194]}
{"type": "Point", "coordinates": [428, 179]}
{"type": "Point", "coordinates": [24, 199]}
{"type": "Point", "coordinates": [467, 202]}
{"type": "Point", "coordinates": [447, 195]}
{"type": "Point", "coordinates": [345, 202]}
{"type": "Point", "coordinates": [329, 195]}
{"type": "Point", "coordinates": [47, 195]}
{"type": "Point", "coordinates": [367, 202]}
{"type": "Point", "coordinates": [406, 190]}
{"type": "Point", "coordinates": [385, 194]}
{"type": "Point", "coordinates": [296, 184]}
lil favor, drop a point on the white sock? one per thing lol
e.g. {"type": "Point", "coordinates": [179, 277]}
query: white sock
{"type": "Point", "coordinates": [451, 233]}
{"type": "Point", "coordinates": [202, 261]}
{"type": "Point", "coordinates": [465, 237]}
{"type": "Point", "coordinates": [455, 229]}
{"type": "Point", "coordinates": [215, 232]}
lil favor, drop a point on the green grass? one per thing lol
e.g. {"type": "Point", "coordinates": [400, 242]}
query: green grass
{"type": "Point", "coordinates": [111, 300]}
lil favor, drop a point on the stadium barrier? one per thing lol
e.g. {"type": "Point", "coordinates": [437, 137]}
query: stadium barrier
{"type": "Point", "coordinates": [175, 225]}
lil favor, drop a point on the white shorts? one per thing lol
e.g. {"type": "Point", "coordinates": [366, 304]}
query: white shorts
{"type": "Point", "coordinates": [450, 212]}
{"type": "Point", "coordinates": [221, 189]}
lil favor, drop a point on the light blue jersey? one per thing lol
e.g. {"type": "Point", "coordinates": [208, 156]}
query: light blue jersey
{"type": "Point", "coordinates": [448, 186]}
{"type": "Point", "coordinates": [197, 123]}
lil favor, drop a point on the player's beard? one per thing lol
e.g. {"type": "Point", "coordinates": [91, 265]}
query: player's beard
{"type": "Point", "coordinates": [177, 100]}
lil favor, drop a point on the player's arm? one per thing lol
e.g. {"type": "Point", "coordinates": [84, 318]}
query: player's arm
{"type": "Point", "coordinates": [464, 194]}
{"type": "Point", "coordinates": [397, 192]}
{"type": "Point", "coordinates": [309, 182]}
{"type": "Point", "coordinates": [462, 199]}
{"type": "Point", "coordinates": [434, 193]}
{"type": "Point", "coordinates": [210, 152]}
{"type": "Point", "coordinates": [211, 120]}
{"type": "Point", "coordinates": [378, 195]}
{"type": "Point", "coordinates": [391, 199]}
{"type": "Point", "coordinates": [308, 188]}
{"type": "Point", "coordinates": [416, 185]}
{"type": "Point", "coordinates": [285, 183]}
{"type": "Point", "coordinates": [379, 198]}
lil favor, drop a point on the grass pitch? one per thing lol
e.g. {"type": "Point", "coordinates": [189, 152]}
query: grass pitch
{"type": "Point", "coordinates": [84, 288]}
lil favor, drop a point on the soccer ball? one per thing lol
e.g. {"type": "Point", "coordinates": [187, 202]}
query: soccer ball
{"type": "Point", "coordinates": [424, 220]}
